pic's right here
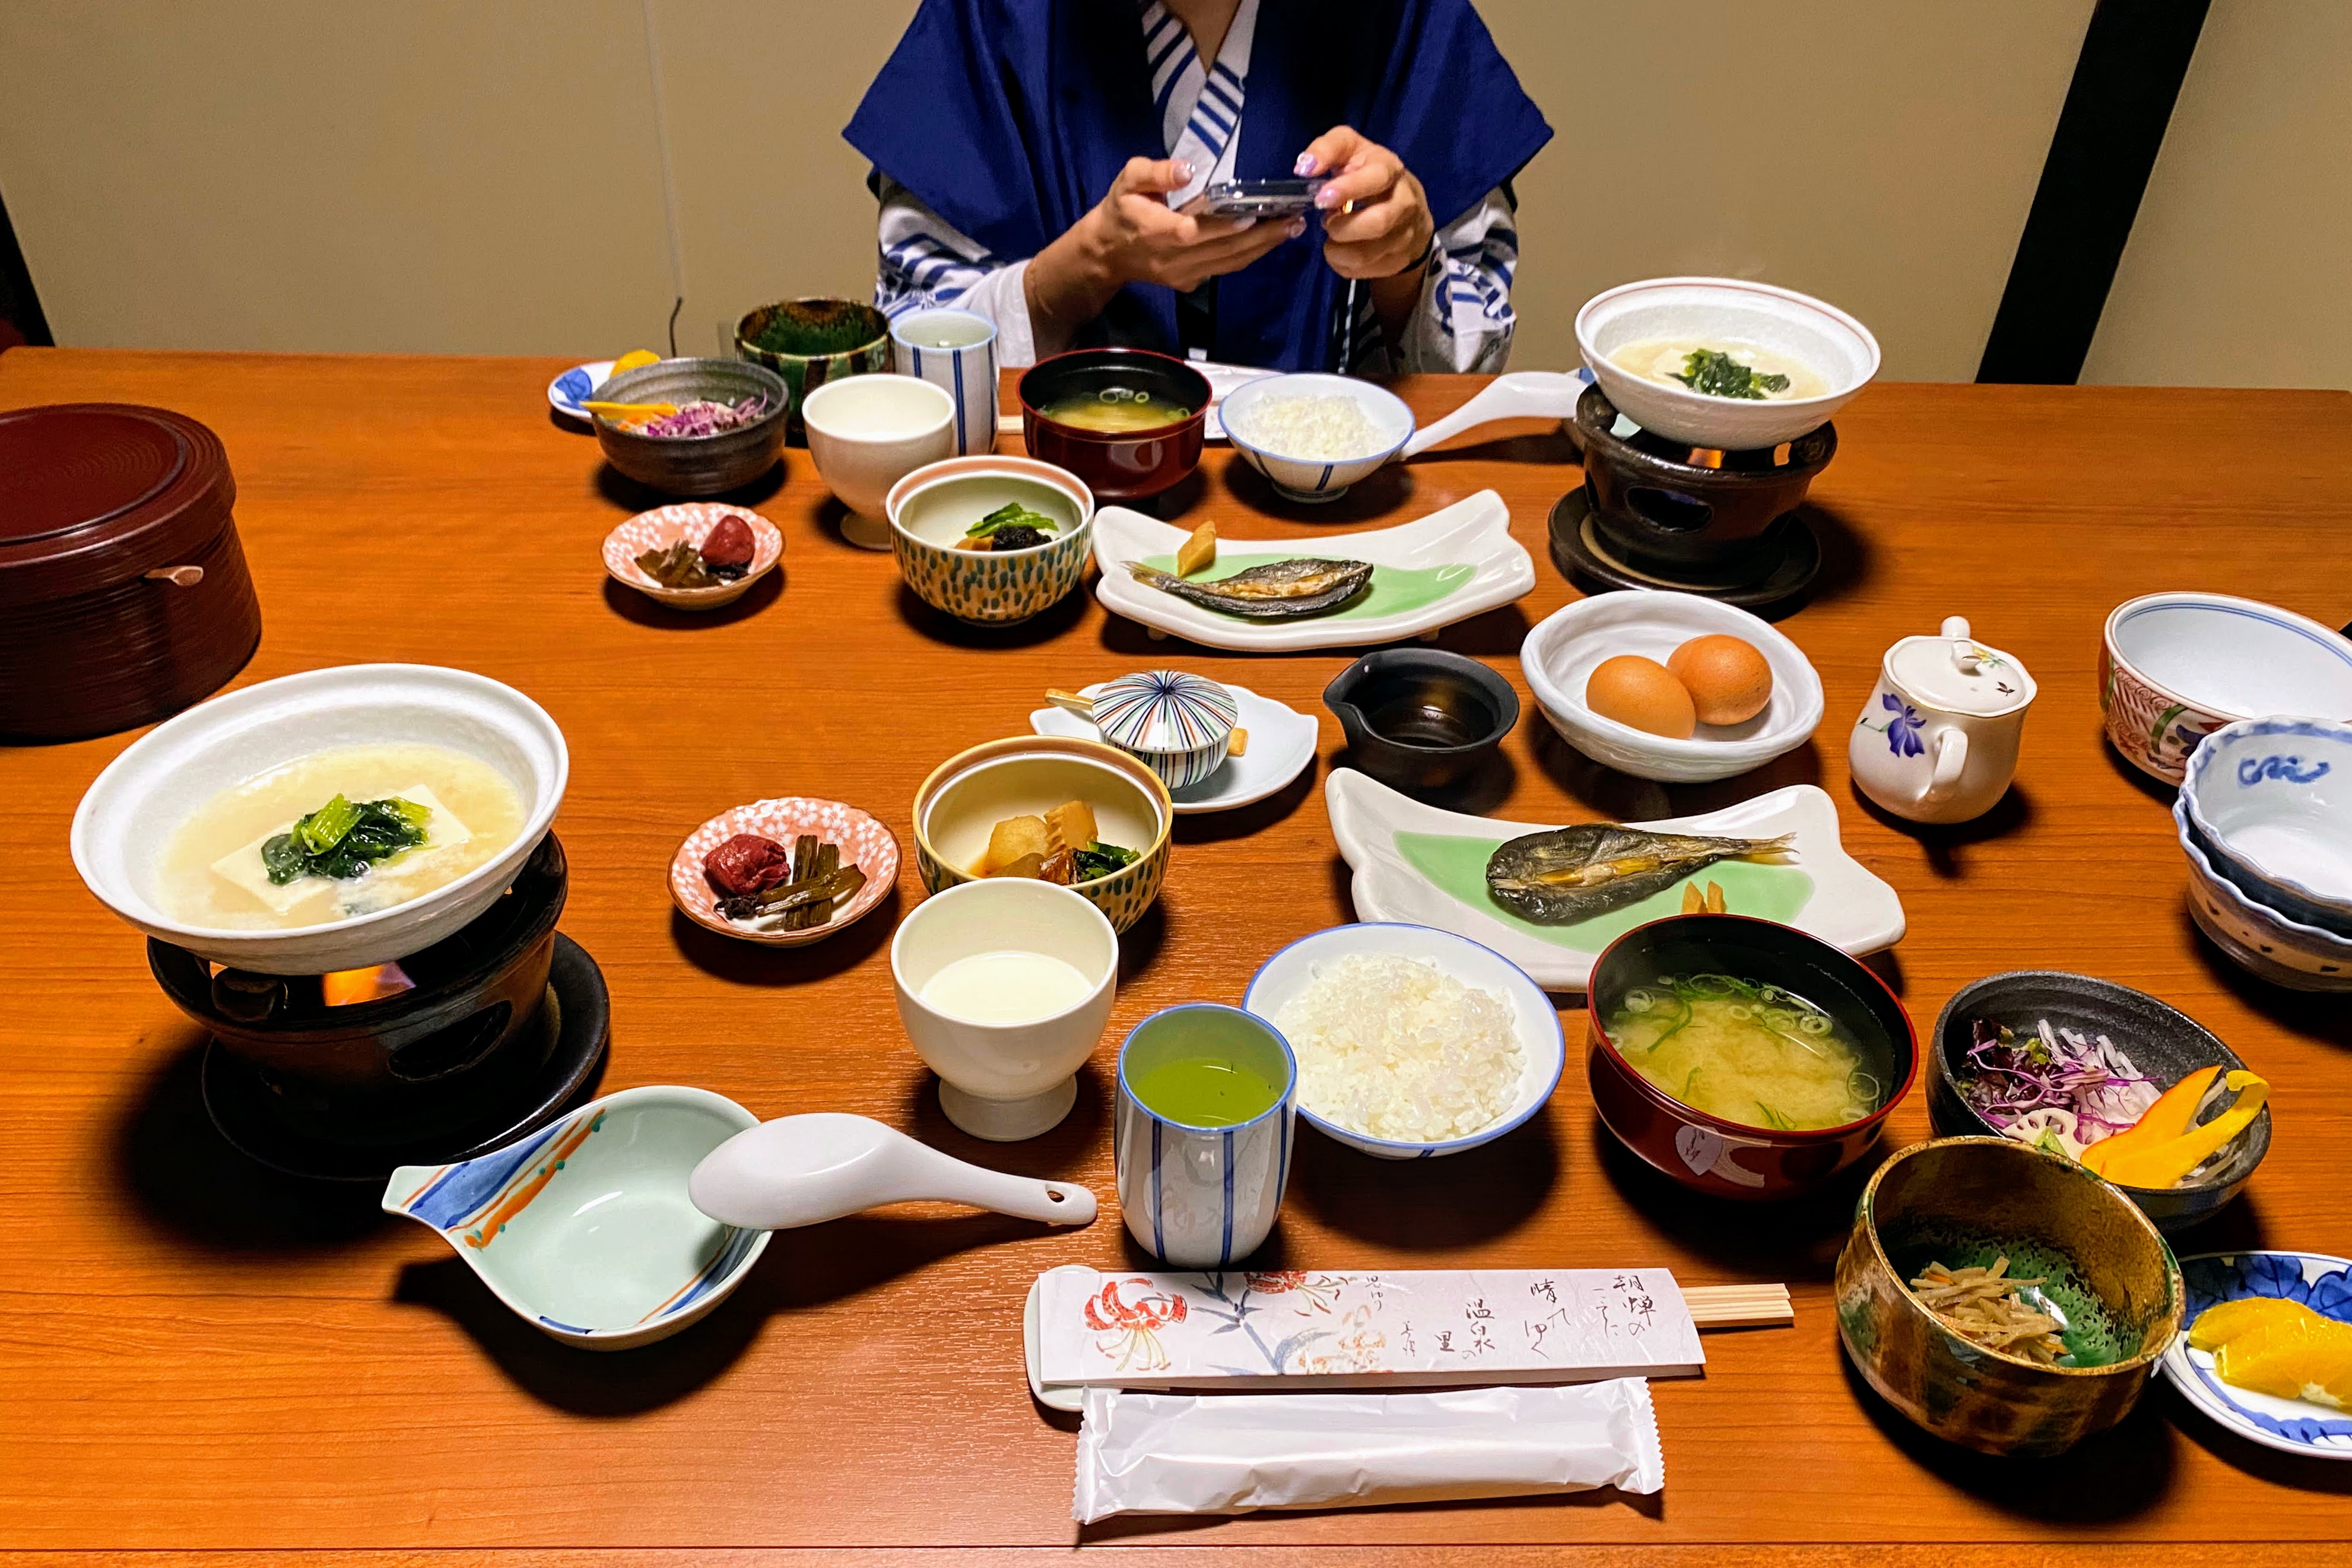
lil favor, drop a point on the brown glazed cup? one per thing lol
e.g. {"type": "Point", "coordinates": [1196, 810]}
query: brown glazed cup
{"type": "Point", "coordinates": [1959, 1198]}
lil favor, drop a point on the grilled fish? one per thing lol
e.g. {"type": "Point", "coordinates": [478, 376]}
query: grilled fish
{"type": "Point", "coordinates": [1279, 590]}
{"type": "Point", "coordinates": [1571, 874]}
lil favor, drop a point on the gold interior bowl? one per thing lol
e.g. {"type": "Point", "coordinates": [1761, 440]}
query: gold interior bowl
{"type": "Point", "coordinates": [1964, 1201]}
{"type": "Point", "coordinates": [1027, 775]}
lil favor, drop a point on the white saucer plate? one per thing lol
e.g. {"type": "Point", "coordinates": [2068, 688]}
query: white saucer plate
{"type": "Point", "coordinates": [567, 392]}
{"type": "Point", "coordinates": [1281, 745]}
{"type": "Point", "coordinates": [2323, 1283]}
{"type": "Point", "coordinates": [1844, 904]}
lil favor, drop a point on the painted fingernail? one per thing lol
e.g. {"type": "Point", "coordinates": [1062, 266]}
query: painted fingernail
{"type": "Point", "coordinates": [1297, 227]}
{"type": "Point", "coordinates": [1184, 171]}
{"type": "Point", "coordinates": [1327, 198]}
{"type": "Point", "coordinates": [1306, 164]}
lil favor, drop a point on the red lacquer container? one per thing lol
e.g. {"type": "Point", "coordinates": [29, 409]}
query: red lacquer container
{"type": "Point", "coordinates": [1705, 1153]}
{"type": "Point", "coordinates": [123, 591]}
{"type": "Point", "coordinates": [1117, 466]}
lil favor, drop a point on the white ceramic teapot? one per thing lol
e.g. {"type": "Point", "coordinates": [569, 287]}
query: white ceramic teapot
{"type": "Point", "coordinates": [1937, 741]}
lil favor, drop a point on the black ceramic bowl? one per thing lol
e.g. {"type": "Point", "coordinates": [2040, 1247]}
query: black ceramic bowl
{"type": "Point", "coordinates": [1126, 465]}
{"type": "Point", "coordinates": [1421, 718]}
{"type": "Point", "coordinates": [2161, 1041]}
{"type": "Point", "coordinates": [694, 465]}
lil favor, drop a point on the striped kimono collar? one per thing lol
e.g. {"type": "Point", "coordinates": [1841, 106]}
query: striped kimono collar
{"type": "Point", "coordinates": [1200, 108]}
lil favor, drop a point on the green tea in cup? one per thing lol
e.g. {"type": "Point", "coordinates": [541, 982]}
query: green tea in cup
{"type": "Point", "coordinates": [1205, 1091]}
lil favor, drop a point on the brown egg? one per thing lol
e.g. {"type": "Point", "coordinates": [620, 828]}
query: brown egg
{"type": "Point", "coordinates": [1642, 693]}
{"type": "Point", "coordinates": [1728, 680]}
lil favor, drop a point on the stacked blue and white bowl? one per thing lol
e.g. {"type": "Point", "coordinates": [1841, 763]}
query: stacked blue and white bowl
{"type": "Point", "coordinates": [2265, 817]}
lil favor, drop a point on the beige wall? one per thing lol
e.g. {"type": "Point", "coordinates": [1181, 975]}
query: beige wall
{"type": "Point", "coordinates": [2236, 272]}
{"type": "Point", "coordinates": [446, 176]}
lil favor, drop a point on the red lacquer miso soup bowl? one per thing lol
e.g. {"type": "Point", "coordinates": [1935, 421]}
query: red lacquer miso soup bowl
{"type": "Point", "coordinates": [1126, 421]}
{"type": "Point", "coordinates": [1753, 1021]}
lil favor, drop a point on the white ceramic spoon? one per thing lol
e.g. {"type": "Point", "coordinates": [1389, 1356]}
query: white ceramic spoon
{"type": "Point", "coordinates": [1519, 394]}
{"type": "Point", "coordinates": [805, 1170]}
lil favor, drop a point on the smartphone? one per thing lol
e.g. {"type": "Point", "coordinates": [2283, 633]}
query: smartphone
{"type": "Point", "coordinates": [1260, 199]}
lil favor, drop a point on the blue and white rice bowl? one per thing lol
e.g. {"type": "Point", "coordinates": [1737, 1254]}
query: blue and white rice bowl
{"type": "Point", "coordinates": [2271, 800]}
{"type": "Point", "coordinates": [2257, 938]}
{"type": "Point", "coordinates": [1179, 725]}
{"type": "Point", "coordinates": [1543, 1046]}
{"type": "Point", "coordinates": [1309, 479]}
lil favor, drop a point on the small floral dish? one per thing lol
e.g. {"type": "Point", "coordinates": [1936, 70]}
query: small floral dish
{"type": "Point", "coordinates": [1281, 745]}
{"type": "Point", "coordinates": [932, 511]}
{"type": "Point", "coordinates": [2164, 1043]}
{"type": "Point", "coordinates": [863, 841]}
{"type": "Point", "coordinates": [584, 1229]}
{"type": "Point", "coordinates": [2271, 800]}
{"type": "Point", "coordinates": [1965, 1203]}
{"type": "Point", "coordinates": [2254, 936]}
{"type": "Point", "coordinates": [2174, 667]}
{"type": "Point", "coordinates": [568, 392]}
{"type": "Point", "coordinates": [1560, 652]}
{"type": "Point", "coordinates": [968, 794]}
{"type": "Point", "coordinates": [1315, 479]}
{"type": "Point", "coordinates": [1456, 563]}
{"type": "Point", "coordinates": [1543, 1046]}
{"type": "Point", "coordinates": [1421, 864]}
{"type": "Point", "coordinates": [692, 523]}
{"type": "Point", "coordinates": [2318, 1281]}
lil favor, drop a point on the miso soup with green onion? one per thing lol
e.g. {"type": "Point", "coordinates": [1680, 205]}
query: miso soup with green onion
{"type": "Point", "coordinates": [1744, 1052]}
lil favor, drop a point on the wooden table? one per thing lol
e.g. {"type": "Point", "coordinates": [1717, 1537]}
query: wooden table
{"type": "Point", "coordinates": [199, 1355]}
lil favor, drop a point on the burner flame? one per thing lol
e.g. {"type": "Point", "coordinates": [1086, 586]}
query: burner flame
{"type": "Point", "coordinates": [346, 986]}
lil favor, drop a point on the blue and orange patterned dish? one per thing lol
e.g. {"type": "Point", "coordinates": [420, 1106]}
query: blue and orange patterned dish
{"type": "Point", "coordinates": [583, 1229]}
{"type": "Point", "coordinates": [2320, 1282]}
{"type": "Point", "coordinates": [931, 510]}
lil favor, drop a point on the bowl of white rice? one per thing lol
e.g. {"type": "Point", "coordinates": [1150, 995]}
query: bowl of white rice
{"type": "Point", "coordinates": [1411, 1042]}
{"type": "Point", "coordinates": [1313, 435]}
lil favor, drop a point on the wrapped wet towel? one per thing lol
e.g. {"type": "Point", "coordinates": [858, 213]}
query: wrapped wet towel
{"type": "Point", "coordinates": [1185, 1453]}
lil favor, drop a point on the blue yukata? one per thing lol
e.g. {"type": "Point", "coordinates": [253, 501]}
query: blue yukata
{"type": "Point", "coordinates": [996, 125]}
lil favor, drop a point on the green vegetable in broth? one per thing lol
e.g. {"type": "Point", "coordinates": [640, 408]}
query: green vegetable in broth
{"type": "Point", "coordinates": [1012, 514]}
{"type": "Point", "coordinates": [342, 840]}
{"type": "Point", "coordinates": [1744, 1052]}
{"type": "Point", "coordinates": [1717, 375]}
{"type": "Point", "coordinates": [1100, 860]}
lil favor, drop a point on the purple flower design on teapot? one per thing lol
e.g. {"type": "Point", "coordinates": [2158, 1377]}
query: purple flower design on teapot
{"type": "Point", "coordinates": [1902, 729]}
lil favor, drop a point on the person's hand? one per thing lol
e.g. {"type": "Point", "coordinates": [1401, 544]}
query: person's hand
{"type": "Point", "coordinates": [1375, 220]}
{"type": "Point", "coordinates": [1133, 236]}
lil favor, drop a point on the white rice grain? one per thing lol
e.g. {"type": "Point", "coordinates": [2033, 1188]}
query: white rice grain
{"type": "Point", "coordinates": [1394, 1047]}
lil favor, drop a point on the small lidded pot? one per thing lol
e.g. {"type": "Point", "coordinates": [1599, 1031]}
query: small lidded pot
{"type": "Point", "coordinates": [1937, 739]}
{"type": "Point", "coordinates": [1179, 725]}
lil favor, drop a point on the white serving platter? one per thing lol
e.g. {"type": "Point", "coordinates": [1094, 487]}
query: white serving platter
{"type": "Point", "coordinates": [1844, 905]}
{"type": "Point", "coordinates": [1474, 535]}
{"type": "Point", "coordinates": [1281, 745]}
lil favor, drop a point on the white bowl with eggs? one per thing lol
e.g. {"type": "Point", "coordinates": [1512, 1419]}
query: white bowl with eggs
{"type": "Point", "coordinates": [128, 819]}
{"type": "Point", "coordinates": [1827, 354]}
{"type": "Point", "coordinates": [1560, 654]}
{"type": "Point", "coordinates": [1534, 1021]}
{"type": "Point", "coordinates": [1257, 423]}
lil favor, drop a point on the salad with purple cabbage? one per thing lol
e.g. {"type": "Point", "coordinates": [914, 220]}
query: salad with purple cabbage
{"type": "Point", "coordinates": [704, 417]}
{"type": "Point", "coordinates": [2059, 1089]}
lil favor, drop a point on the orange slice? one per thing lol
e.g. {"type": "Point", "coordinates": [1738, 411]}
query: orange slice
{"type": "Point", "coordinates": [2307, 1357]}
{"type": "Point", "coordinates": [2216, 1326]}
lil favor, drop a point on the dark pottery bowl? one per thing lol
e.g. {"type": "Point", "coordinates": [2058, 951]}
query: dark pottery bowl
{"type": "Point", "coordinates": [694, 465]}
{"type": "Point", "coordinates": [472, 995]}
{"type": "Point", "coordinates": [1707, 1154]}
{"type": "Point", "coordinates": [1421, 718]}
{"type": "Point", "coordinates": [810, 342]}
{"type": "Point", "coordinates": [2162, 1042]}
{"type": "Point", "coordinates": [1120, 466]}
{"type": "Point", "coordinates": [1965, 1202]}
